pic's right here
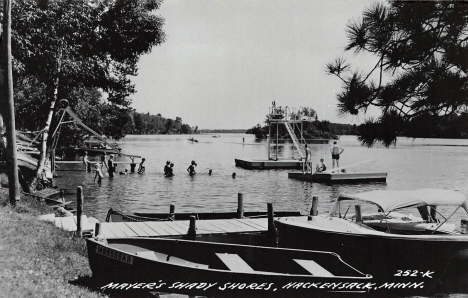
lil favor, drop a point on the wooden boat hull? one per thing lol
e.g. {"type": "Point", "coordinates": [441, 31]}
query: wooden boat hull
{"type": "Point", "coordinates": [387, 257]}
{"type": "Point", "coordinates": [273, 271]}
{"type": "Point", "coordinates": [118, 216]}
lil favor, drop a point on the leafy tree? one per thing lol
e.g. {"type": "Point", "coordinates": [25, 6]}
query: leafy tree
{"type": "Point", "coordinates": [72, 44]}
{"type": "Point", "coordinates": [420, 75]}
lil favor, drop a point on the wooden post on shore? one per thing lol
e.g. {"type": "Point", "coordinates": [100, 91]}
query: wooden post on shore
{"type": "Point", "coordinates": [272, 232]}
{"type": "Point", "coordinates": [192, 231]}
{"type": "Point", "coordinates": [79, 208]}
{"type": "Point", "coordinates": [240, 205]}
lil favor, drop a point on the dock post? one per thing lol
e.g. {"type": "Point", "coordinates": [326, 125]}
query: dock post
{"type": "Point", "coordinates": [192, 231]}
{"type": "Point", "coordinates": [171, 212]}
{"type": "Point", "coordinates": [463, 226]}
{"type": "Point", "coordinates": [313, 209]}
{"type": "Point", "coordinates": [97, 229]}
{"type": "Point", "coordinates": [240, 205]}
{"type": "Point", "coordinates": [272, 231]}
{"type": "Point", "coordinates": [358, 213]}
{"type": "Point", "coordinates": [79, 208]}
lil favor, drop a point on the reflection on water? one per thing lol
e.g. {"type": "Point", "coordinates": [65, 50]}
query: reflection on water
{"type": "Point", "coordinates": [411, 164]}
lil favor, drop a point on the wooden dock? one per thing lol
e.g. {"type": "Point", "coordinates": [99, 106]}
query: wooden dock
{"type": "Point", "coordinates": [180, 228]}
{"type": "Point", "coordinates": [69, 223]}
{"type": "Point", "coordinates": [258, 164]}
{"type": "Point", "coordinates": [354, 177]}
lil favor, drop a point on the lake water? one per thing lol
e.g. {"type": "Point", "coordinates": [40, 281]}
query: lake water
{"type": "Point", "coordinates": [411, 164]}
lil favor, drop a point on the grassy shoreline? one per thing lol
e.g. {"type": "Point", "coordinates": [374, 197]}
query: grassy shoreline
{"type": "Point", "coordinates": [37, 259]}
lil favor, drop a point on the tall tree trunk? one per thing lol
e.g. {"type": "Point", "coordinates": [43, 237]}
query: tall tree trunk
{"type": "Point", "coordinates": [45, 136]}
{"type": "Point", "coordinates": [12, 162]}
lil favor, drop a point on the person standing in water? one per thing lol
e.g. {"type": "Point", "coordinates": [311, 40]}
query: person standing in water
{"type": "Point", "coordinates": [141, 167]}
{"type": "Point", "coordinates": [170, 172]}
{"type": "Point", "coordinates": [191, 168]}
{"type": "Point", "coordinates": [111, 166]}
{"type": "Point", "coordinates": [87, 166]}
{"type": "Point", "coordinates": [336, 152]}
{"type": "Point", "coordinates": [166, 167]}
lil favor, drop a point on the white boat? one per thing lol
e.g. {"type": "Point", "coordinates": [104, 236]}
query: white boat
{"type": "Point", "coordinates": [393, 247]}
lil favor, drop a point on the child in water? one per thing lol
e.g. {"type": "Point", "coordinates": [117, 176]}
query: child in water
{"type": "Point", "coordinates": [191, 168]}
{"type": "Point", "coordinates": [169, 171]}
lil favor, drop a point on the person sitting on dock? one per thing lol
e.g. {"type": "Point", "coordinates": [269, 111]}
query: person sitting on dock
{"type": "Point", "coordinates": [191, 168]}
{"type": "Point", "coordinates": [166, 167]}
{"type": "Point", "coordinates": [321, 167]}
{"type": "Point", "coordinates": [141, 167]}
{"type": "Point", "coordinates": [170, 172]}
{"type": "Point", "coordinates": [336, 152]}
{"type": "Point", "coordinates": [87, 165]}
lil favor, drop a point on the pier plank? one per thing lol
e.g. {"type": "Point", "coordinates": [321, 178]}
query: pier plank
{"type": "Point", "coordinates": [105, 231]}
{"type": "Point", "coordinates": [123, 226]}
{"type": "Point", "coordinates": [114, 229]}
{"type": "Point", "coordinates": [135, 228]}
{"type": "Point", "coordinates": [147, 229]}
{"type": "Point", "coordinates": [258, 223]}
{"type": "Point", "coordinates": [206, 227]}
{"type": "Point", "coordinates": [174, 226]}
{"type": "Point", "coordinates": [243, 226]}
{"type": "Point", "coordinates": [227, 225]}
{"type": "Point", "coordinates": [161, 229]}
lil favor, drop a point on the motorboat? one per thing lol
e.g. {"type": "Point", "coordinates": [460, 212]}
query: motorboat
{"type": "Point", "coordinates": [220, 269]}
{"type": "Point", "coordinates": [392, 246]}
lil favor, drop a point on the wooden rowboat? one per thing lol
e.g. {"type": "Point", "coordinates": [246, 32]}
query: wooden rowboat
{"type": "Point", "coordinates": [119, 216]}
{"type": "Point", "coordinates": [215, 269]}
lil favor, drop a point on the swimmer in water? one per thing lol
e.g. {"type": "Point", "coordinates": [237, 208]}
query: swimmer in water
{"type": "Point", "coordinates": [191, 168]}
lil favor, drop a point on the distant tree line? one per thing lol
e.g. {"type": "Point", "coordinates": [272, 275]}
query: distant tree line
{"type": "Point", "coordinates": [310, 130]}
{"type": "Point", "coordinates": [145, 123]}
{"type": "Point", "coordinates": [222, 131]}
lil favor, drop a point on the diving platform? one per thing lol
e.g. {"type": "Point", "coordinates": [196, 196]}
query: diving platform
{"type": "Point", "coordinates": [259, 164]}
{"type": "Point", "coordinates": [352, 177]}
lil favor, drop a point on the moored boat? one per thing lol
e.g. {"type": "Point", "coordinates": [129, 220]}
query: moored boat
{"type": "Point", "coordinates": [393, 247]}
{"type": "Point", "coordinates": [215, 269]}
{"type": "Point", "coordinates": [119, 216]}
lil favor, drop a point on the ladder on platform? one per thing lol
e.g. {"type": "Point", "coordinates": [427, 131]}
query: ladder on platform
{"type": "Point", "coordinates": [295, 140]}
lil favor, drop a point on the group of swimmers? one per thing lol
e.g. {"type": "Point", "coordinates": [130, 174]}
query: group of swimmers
{"type": "Point", "coordinates": [109, 165]}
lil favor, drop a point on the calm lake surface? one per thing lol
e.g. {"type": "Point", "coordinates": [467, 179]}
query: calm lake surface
{"type": "Point", "coordinates": [411, 164]}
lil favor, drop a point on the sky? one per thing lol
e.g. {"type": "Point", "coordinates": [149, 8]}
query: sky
{"type": "Point", "coordinates": [225, 61]}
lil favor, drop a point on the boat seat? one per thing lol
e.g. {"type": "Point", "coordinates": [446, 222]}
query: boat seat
{"type": "Point", "coordinates": [234, 262]}
{"type": "Point", "coordinates": [313, 268]}
{"type": "Point", "coordinates": [157, 256]}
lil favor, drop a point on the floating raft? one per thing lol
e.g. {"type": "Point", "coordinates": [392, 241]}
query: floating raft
{"type": "Point", "coordinates": [258, 164]}
{"type": "Point", "coordinates": [180, 228]}
{"type": "Point", "coordinates": [355, 177]}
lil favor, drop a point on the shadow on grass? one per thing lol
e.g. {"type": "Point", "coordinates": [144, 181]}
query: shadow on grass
{"type": "Point", "coordinates": [95, 286]}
